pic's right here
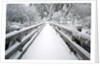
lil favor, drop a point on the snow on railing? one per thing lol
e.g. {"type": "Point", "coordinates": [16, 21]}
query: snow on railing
{"type": "Point", "coordinates": [20, 45]}
{"type": "Point", "coordinates": [82, 37]}
{"type": "Point", "coordinates": [13, 34]}
{"type": "Point", "coordinates": [77, 48]}
{"type": "Point", "coordinates": [19, 34]}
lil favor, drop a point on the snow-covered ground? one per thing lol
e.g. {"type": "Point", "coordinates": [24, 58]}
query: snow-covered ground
{"type": "Point", "coordinates": [49, 45]}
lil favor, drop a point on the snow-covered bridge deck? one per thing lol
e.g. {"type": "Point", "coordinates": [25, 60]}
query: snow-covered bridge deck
{"type": "Point", "coordinates": [49, 45]}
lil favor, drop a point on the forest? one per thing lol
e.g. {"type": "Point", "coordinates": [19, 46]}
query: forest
{"type": "Point", "coordinates": [77, 15]}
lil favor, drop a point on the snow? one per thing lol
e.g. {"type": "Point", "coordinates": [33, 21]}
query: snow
{"type": "Point", "coordinates": [17, 54]}
{"type": "Point", "coordinates": [12, 48]}
{"type": "Point", "coordinates": [17, 44]}
{"type": "Point", "coordinates": [81, 36]}
{"type": "Point", "coordinates": [75, 46]}
{"type": "Point", "coordinates": [49, 45]}
{"type": "Point", "coordinates": [20, 31]}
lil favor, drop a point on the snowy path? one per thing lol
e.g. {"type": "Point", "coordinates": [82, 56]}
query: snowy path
{"type": "Point", "coordinates": [49, 45]}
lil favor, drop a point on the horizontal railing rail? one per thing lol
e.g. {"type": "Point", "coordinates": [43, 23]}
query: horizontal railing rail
{"type": "Point", "coordinates": [15, 33]}
{"type": "Point", "coordinates": [28, 44]}
{"type": "Point", "coordinates": [84, 38]}
{"type": "Point", "coordinates": [26, 40]}
{"type": "Point", "coordinates": [77, 48]}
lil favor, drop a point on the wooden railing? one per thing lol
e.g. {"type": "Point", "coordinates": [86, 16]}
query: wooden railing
{"type": "Point", "coordinates": [19, 48]}
{"type": "Point", "coordinates": [68, 38]}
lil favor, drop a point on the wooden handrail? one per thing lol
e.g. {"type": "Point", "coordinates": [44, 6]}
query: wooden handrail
{"type": "Point", "coordinates": [78, 49]}
{"type": "Point", "coordinates": [15, 33]}
{"type": "Point", "coordinates": [19, 46]}
{"type": "Point", "coordinates": [28, 44]}
{"type": "Point", "coordinates": [84, 38]}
